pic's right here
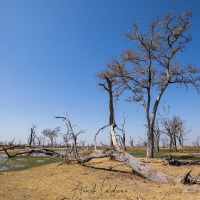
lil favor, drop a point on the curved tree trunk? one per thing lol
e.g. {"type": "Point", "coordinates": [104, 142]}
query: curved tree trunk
{"type": "Point", "coordinates": [136, 165]}
{"type": "Point", "coordinates": [142, 169]}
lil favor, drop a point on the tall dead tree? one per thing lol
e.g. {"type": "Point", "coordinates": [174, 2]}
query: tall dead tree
{"type": "Point", "coordinates": [122, 136]}
{"type": "Point", "coordinates": [41, 140]}
{"type": "Point", "coordinates": [181, 131]}
{"type": "Point", "coordinates": [52, 134]}
{"type": "Point", "coordinates": [71, 134]}
{"type": "Point", "coordinates": [108, 87]}
{"type": "Point", "coordinates": [32, 136]}
{"type": "Point", "coordinates": [175, 129]}
{"type": "Point", "coordinates": [196, 143]}
{"type": "Point", "coordinates": [131, 141]}
{"type": "Point", "coordinates": [157, 134]}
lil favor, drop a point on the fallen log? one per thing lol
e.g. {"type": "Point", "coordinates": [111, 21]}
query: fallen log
{"type": "Point", "coordinates": [175, 162]}
{"type": "Point", "coordinates": [136, 165]}
{"type": "Point", "coordinates": [30, 151]}
{"type": "Point", "coordinates": [142, 168]}
{"type": "Point", "coordinates": [188, 179]}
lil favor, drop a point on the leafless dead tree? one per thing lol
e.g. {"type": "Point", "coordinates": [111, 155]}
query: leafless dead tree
{"type": "Point", "coordinates": [157, 135]}
{"type": "Point", "coordinates": [72, 133]}
{"type": "Point", "coordinates": [32, 136]}
{"type": "Point", "coordinates": [82, 142]}
{"type": "Point", "coordinates": [51, 134]}
{"type": "Point", "coordinates": [95, 137]}
{"type": "Point", "coordinates": [165, 141]}
{"type": "Point", "coordinates": [41, 140]}
{"type": "Point", "coordinates": [175, 129]}
{"type": "Point", "coordinates": [11, 142]}
{"type": "Point", "coordinates": [197, 141]}
{"type": "Point", "coordinates": [131, 141]}
{"type": "Point", "coordinates": [142, 142]}
{"type": "Point", "coordinates": [122, 137]}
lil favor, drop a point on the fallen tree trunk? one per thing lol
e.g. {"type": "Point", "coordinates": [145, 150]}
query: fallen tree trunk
{"type": "Point", "coordinates": [137, 166]}
{"type": "Point", "coordinates": [99, 154]}
{"type": "Point", "coordinates": [142, 169]}
{"type": "Point", "coordinates": [188, 179]}
{"type": "Point", "coordinates": [175, 162]}
{"type": "Point", "coordinates": [30, 151]}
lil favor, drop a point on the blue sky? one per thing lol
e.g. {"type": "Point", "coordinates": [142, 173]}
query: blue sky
{"type": "Point", "coordinates": [50, 51]}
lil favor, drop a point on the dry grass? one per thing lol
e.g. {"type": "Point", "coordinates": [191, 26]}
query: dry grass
{"type": "Point", "coordinates": [112, 181]}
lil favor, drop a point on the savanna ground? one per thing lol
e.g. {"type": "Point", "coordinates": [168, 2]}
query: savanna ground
{"type": "Point", "coordinates": [99, 179]}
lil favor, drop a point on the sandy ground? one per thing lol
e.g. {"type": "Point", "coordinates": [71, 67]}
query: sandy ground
{"type": "Point", "coordinates": [61, 182]}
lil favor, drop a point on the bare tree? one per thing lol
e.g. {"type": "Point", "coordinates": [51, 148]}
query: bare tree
{"type": "Point", "coordinates": [32, 136]}
{"type": "Point", "coordinates": [142, 142]}
{"type": "Point", "coordinates": [51, 134]}
{"type": "Point", "coordinates": [197, 141]}
{"type": "Point", "coordinates": [175, 129]}
{"type": "Point", "coordinates": [165, 141]}
{"type": "Point", "coordinates": [72, 134]}
{"type": "Point", "coordinates": [66, 138]}
{"type": "Point", "coordinates": [82, 142]}
{"type": "Point", "coordinates": [157, 134]}
{"type": "Point", "coordinates": [122, 137]}
{"type": "Point", "coordinates": [131, 141]}
{"type": "Point", "coordinates": [154, 66]}
{"type": "Point", "coordinates": [108, 86]}
{"type": "Point", "coordinates": [95, 137]}
{"type": "Point", "coordinates": [181, 131]}
{"type": "Point", "coordinates": [11, 142]}
{"type": "Point", "coordinates": [41, 140]}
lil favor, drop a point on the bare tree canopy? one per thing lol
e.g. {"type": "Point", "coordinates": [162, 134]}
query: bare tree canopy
{"type": "Point", "coordinates": [152, 65]}
{"type": "Point", "coordinates": [175, 129]}
{"type": "Point", "coordinates": [51, 134]}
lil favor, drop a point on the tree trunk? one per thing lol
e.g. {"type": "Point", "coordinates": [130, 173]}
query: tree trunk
{"type": "Point", "coordinates": [170, 143]}
{"type": "Point", "coordinates": [124, 142]}
{"type": "Point", "coordinates": [141, 168]}
{"type": "Point", "coordinates": [174, 142]}
{"type": "Point", "coordinates": [181, 143]}
{"type": "Point", "coordinates": [150, 143]}
{"type": "Point", "coordinates": [157, 146]}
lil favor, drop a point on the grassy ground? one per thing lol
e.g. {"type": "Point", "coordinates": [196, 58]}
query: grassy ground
{"type": "Point", "coordinates": [100, 179]}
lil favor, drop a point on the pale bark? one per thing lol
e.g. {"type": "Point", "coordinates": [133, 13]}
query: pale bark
{"type": "Point", "coordinates": [142, 169]}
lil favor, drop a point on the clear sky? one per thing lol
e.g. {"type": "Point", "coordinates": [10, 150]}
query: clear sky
{"type": "Point", "coordinates": [50, 51]}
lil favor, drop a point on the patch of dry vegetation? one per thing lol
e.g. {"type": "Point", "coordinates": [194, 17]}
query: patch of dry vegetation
{"type": "Point", "coordinates": [103, 179]}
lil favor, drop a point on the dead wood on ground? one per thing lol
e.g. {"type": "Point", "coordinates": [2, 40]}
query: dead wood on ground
{"type": "Point", "coordinates": [175, 162]}
{"type": "Point", "coordinates": [188, 179]}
